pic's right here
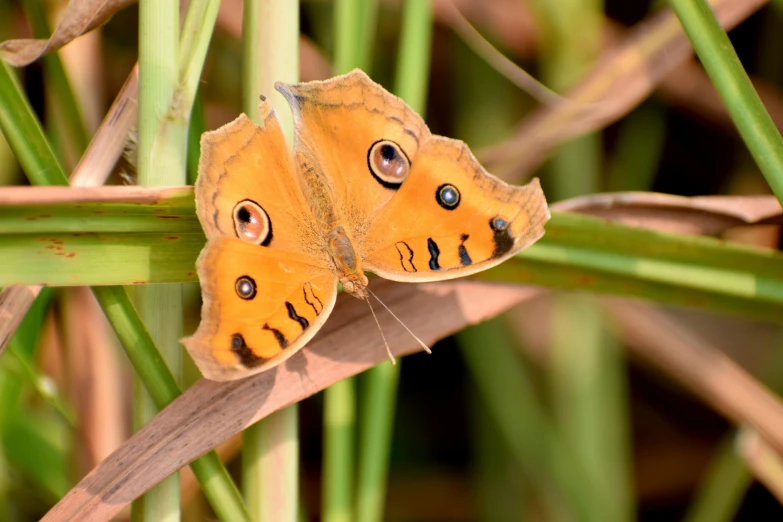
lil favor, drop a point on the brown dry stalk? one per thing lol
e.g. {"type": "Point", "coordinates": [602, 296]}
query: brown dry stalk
{"type": "Point", "coordinates": [98, 194]}
{"type": "Point", "coordinates": [209, 413]}
{"type": "Point", "coordinates": [623, 77]}
{"type": "Point", "coordinates": [684, 215]}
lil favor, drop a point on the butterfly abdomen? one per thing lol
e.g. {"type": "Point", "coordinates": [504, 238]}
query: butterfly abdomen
{"type": "Point", "coordinates": [347, 264]}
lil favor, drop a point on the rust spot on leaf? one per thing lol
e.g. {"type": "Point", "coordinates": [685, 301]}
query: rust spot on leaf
{"type": "Point", "coordinates": [171, 237]}
{"type": "Point", "coordinates": [168, 217]}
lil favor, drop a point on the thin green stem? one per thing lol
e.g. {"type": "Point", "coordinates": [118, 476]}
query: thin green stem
{"type": "Point", "coordinates": [348, 32]}
{"type": "Point", "coordinates": [376, 426]}
{"type": "Point", "coordinates": [413, 60]}
{"type": "Point", "coordinates": [716, 53]}
{"type": "Point", "coordinates": [338, 459]}
{"type": "Point", "coordinates": [161, 161]}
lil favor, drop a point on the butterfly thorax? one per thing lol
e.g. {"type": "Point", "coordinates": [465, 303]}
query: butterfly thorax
{"type": "Point", "coordinates": [346, 263]}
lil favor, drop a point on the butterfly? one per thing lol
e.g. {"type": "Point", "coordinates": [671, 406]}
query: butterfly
{"type": "Point", "coordinates": [368, 187]}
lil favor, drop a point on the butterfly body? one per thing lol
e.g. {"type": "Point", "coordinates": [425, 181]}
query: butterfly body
{"type": "Point", "coordinates": [367, 188]}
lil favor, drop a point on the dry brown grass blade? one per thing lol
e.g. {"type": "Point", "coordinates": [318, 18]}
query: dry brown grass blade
{"type": "Point", "coordinates": [100, 194]}
{"type": "Point", "coordinates": [81, 16]}
{"type": "Point", "coordinates": [15, 301]}
{"type": "Point", "coordinates": [93, 169]}
{"type": "Point", "coordinates": [764, 462]}
{"type": "Point", "coordinates": [109, 141]}
{"type": "Point", "coordinates": [623, 77]}
{"type": "Point", "coordinates": [699, 367]}
{"type": "Point", "coordinates": [686, 215]}
{"type": "Point", "coordinates": [210, 412]}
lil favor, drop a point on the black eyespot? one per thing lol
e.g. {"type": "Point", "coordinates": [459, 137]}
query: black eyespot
{"type": "Point", "coordinates": [237, 341]}
{"type": "Point", "coordinates": [447, 196]}
{"type": "Point", "coordinates": [246, 287]}
{"type": "Point", "coordinates": [388, 164]}
{"type": "Point", "coordinates": [498, 224]}
{"type": "Point", "coordinates": [251, 223]}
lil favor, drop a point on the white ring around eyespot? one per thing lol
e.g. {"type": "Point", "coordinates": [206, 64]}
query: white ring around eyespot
{"type": "Point", "coordinates": [244, 229]}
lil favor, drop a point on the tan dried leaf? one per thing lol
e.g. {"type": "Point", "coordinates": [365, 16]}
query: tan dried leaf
{"type": "Point", "coordinates": [79, 17]}
{"type": "Point", "coordinates": [686, 215]}
{"type": "Point", "coordinates": [209, 412]}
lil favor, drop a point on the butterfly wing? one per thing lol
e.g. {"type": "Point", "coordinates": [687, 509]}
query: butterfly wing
{"type": "Point", "coordinates": [260, 306]}
{"type": "Point", "coordinates": [339, 123]}
{"type": "Point", "coordinates": [266, 282]}
{"type": "Point", "coordinates": [246, 171]}
{"type": "Point", "coordinates": [450, 218]}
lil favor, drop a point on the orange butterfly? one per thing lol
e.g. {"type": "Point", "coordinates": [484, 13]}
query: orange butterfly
{"type": "Point", "coordinates": [368, 188]}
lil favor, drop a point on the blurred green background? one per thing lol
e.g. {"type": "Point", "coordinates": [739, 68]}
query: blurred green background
{"type": "Point", "coordinates": [476, 423]}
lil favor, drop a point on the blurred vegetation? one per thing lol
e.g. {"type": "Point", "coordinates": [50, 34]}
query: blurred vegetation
{"type": "Point", "coordinates": [559, 410]}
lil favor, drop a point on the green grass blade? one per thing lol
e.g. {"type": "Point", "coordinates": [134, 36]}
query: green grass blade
{"type": "Point", "coordinates": [577, 253]}
{"type": "Point", "coordinates": [57, 82]}
{"type": "Point", "coordinates": [198, 125]}
{"type": "Point", "coordinates": [721, 494]}
{"type": "Point", "coordinates": [24, 134]}
{"type": "Point", "coordinates": [716, 53]}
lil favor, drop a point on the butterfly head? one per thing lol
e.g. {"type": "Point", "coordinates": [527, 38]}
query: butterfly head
{"type": "Point", "coordinates": [355, 284]}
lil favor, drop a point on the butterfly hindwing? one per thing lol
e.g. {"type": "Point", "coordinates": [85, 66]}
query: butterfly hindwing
{"type": "Point", "coordinates": [260, 306]}
{"type": "Point", "coordinates": [451, 218]}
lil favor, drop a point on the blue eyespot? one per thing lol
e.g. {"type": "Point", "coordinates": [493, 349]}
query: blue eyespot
{"type": "Point", "coordinates": [498, 224]}
{"type": "Point", "coordinates": [447, 196]}
{"type": "Point", "coordinates": [245, 287]}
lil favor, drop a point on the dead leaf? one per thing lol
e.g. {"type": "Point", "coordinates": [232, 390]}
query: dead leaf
{"type": "Point", "coordinates": [79, 17]}
{"type": "Point", "coordinates": [686, 215]}
{"type": "Point", "coordinates": [622, 78]}
{"type": "Point", "coordinates": [209, 413]}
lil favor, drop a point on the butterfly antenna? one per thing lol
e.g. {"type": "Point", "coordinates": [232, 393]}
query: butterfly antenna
{"type": "Point", "coordinates": [426, 348]}
{"type": "Point", "coordinates": [388, 350]}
